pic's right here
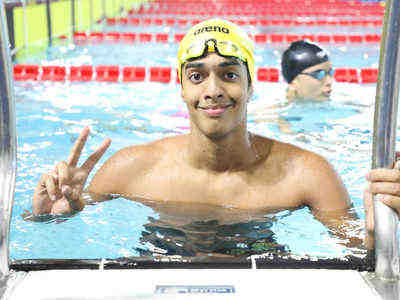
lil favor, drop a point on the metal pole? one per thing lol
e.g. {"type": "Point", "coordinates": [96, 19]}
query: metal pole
{"type": "Point", "coordinates": [386, 103]}
{"type": "Point", "coordinates": [91, 15]}
{"type": "Point", "coordinates": [25, 25]}
{"type": "Point", "coordinates": [103, 4]}
{"type": "Point", "coordinates": [7, 144]}
{"type": "Point", "coordinates": [73, 19]}
{"type": "Point", "coordinates": [49, 30]}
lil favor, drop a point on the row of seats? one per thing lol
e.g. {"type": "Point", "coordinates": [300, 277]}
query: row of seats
{"type": "Point", "coordinates": [129, 37]}
{"type": "Point", "coordinates": [242, 22]}
{"type": "Point", "coordinates": [264, 13]}
{"type": "Point", "coordinates": [158, 74]}
{"type": "Point", "coordinates": [257, 10]}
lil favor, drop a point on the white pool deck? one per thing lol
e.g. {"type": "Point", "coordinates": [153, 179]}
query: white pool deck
{"type": "Point", "coordinates": [142, 284]}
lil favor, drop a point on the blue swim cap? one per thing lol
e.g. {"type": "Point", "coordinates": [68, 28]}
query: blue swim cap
{"type": "Point", "coordinates": [300, 56]}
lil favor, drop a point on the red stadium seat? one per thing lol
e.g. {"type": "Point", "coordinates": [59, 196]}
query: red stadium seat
{"type": "Point", "coordinates": [111, 21]}
{"type": "Point", "coordinates": [96, 37]}
{"type": "Point", "coordinates": [80, 37]}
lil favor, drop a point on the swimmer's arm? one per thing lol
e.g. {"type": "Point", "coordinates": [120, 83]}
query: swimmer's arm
{"type": "Point", "coordinates": [329, 201]}
{"type": "Point", "coordinates": [119, 173]}
{"type": "Point", "coordinates": [111, 178]}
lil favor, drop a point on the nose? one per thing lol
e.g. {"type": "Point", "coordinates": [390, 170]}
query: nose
{"type": "Point", "coordinates": [328, 79]}
{"type": "Point", "coordinates": [213, 91]}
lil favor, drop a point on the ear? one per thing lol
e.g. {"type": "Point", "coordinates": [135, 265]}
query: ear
{"type": "Point", "coordinates": [251, 92]}
{"type": "Point", "coordinates": [291, 92]}
{"type": "Point", "coordinates": [183, 93]}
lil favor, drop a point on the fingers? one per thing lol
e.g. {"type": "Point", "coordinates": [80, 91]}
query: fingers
{"type": "Point", "coordinates": [77, 148]}
{"type": "Point", "coordinates": [389, 200]}
{"type": "Point", "coordinates": [73, 196]}
{"type": "Point", "coordinates": [48, 185]}
{"type": "Point", "coordinates": [51, 187]}
{"type": "Point", "coordinates": [64, 174]}
{"type": "Point", "coordinates": [391, 188]}
{"type": "Point", "coordinates": [96, 155]}
{"type": "Point", "coordinates": [388, 175]}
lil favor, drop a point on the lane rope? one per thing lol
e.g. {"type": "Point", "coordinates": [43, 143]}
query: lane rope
{"type": "Point", "coordinates": [163, 74]}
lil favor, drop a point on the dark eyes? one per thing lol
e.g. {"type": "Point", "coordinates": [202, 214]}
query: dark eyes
{"type": "Point", "coordinates": [197, 77]}
{"type": "Point", "coordinates": [231, 76]}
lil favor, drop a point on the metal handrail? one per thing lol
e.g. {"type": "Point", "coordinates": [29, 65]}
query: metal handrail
{"type": "Point", "coordinates": [386, 104]}
{"type": "Point", "coordinates": [7, 144]}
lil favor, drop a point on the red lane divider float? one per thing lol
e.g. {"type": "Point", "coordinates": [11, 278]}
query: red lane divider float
{"type": "Point", "coordinates": [104, 73]}
{"type": "Point", "coordinates": [298, 8]}
{"type": "Point", "coordinates": [254, 22]}
{"type": "Point", "coordinates": [262, 38]}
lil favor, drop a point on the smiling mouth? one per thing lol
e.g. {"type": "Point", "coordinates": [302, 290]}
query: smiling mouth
{"type": "Point", "coordinates": [327, 93]}
{"type": "Point", "coordinates": [216, 111]}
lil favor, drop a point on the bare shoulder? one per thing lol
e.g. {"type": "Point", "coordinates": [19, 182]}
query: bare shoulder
{"type": "Point", "coordinates": [312, 174]}
{"type": "Point", "coordinates": [131, 162]}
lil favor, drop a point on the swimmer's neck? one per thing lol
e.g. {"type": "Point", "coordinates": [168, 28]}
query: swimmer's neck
{"type": "Point", "coordinates": [232, 152]}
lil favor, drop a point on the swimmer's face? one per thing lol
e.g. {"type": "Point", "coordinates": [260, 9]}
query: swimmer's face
{"type": "Point", "coordinates": [307, 87]}
{"type": "Point", "coordinates": [216, 90]}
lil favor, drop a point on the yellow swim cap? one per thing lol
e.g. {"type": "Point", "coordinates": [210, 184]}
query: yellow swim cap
{"type": "Point", "coordinates": [216, 35]}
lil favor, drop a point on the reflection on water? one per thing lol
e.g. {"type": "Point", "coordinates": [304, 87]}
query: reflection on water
{"type": "Point", "coordinates": [203, 230]}
{"type": "Point", "coordinates": [209, 238]}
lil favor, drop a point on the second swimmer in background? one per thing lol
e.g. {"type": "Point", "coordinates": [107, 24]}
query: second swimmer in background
{"type": "Point", "coordinates": [308, 71]}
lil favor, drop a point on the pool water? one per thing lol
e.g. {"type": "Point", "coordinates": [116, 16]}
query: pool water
{"type": "Point", "coordinates": [50, 116]}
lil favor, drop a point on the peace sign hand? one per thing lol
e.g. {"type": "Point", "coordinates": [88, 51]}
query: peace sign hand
{"type": "Point", "coordinates": [59, 191]}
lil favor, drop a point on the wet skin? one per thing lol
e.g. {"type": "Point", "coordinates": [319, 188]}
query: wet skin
{"type": "Point", "coordinates": [219, 163]}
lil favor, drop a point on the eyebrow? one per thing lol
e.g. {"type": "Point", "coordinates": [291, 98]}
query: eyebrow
{"type": "Point", "coordinates": [223, 64]}
{"type": "Point", "coordinates": [194, 65]}
{"type": "Point", "coordinates": [229, 63]}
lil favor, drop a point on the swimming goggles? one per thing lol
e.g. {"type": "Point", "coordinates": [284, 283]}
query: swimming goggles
{"type": "Point", "coordinates": [223, 48]}
{"type": "Point", "coordinates": [320, 74]}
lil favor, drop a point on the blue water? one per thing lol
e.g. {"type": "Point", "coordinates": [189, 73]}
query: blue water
{"type": "Point", "coordinates": [51, 115]}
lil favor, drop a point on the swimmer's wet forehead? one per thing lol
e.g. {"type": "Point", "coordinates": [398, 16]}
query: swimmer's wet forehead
{"type": "Point", "coordinates": [227, 63]}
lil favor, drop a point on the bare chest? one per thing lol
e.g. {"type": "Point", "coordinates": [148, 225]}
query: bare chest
{"type": "Point", "coordinates": [237, 190]}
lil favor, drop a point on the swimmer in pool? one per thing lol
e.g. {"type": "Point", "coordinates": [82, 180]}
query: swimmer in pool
{"type": "Point", "coordinates": [308, 71]}
{"type": "Point", "coordinates": [219, 163]}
